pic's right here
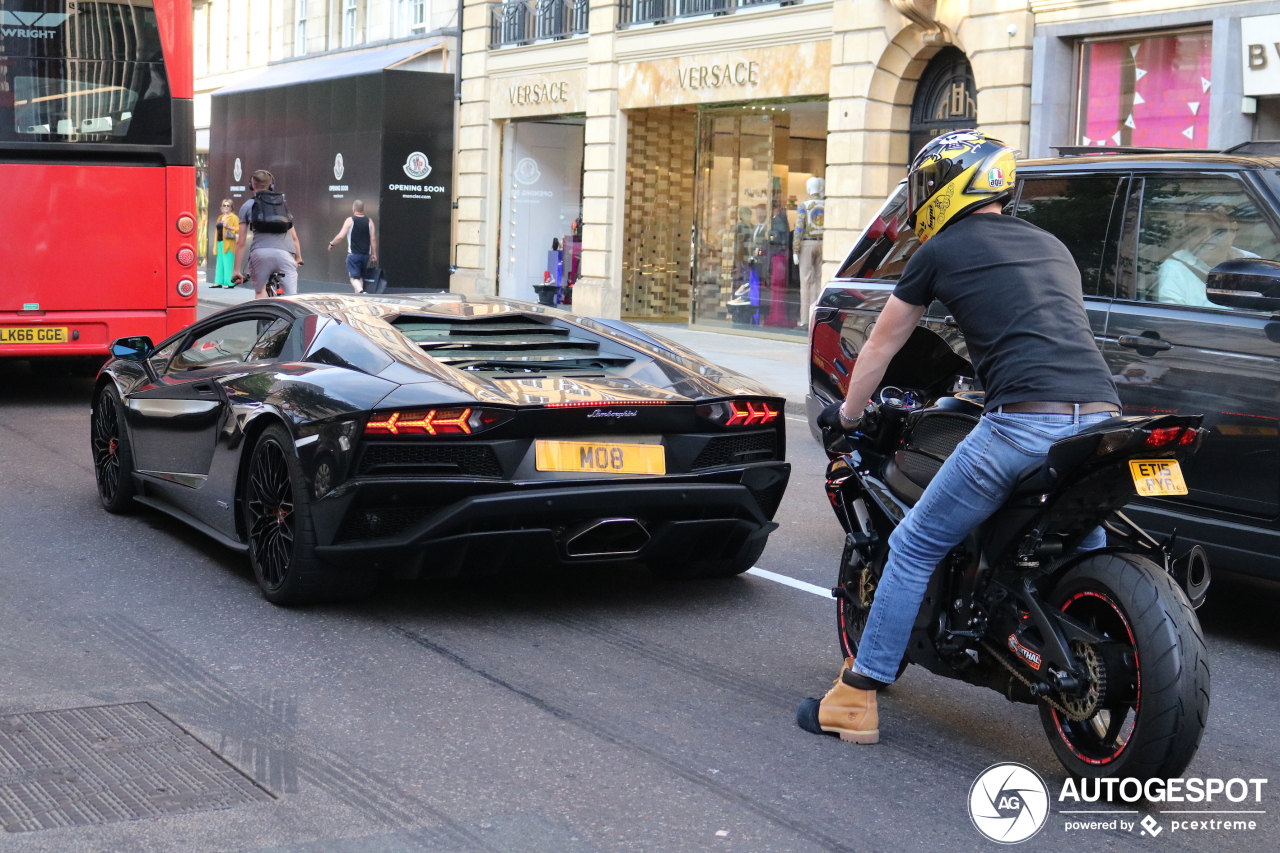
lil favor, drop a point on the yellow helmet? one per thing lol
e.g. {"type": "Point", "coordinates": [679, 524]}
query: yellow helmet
{"type": "Point", "coordinates": [955, 173]}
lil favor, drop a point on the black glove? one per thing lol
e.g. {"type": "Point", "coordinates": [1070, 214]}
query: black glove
{"type": "Point", "coordinates": [829, 418]}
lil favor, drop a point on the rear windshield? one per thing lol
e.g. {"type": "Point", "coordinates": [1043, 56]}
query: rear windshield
{"type": "Point", "coordinates": [77, 71]}
{"type": "Point", "coordinates": [886, 245]}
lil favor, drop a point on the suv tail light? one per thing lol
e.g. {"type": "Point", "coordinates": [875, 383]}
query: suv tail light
{"type": "Point", "coordinates": [740, 413]}
{"type": "Point", "coordinates": [451, 421]}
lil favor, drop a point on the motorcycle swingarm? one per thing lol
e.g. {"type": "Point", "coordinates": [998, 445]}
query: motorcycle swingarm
{"type": "Point", "coordinates": [1057, 629]}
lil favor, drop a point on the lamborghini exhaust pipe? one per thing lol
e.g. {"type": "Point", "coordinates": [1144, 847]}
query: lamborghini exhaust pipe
{"type": "Point", "coordinates": [606, 537]}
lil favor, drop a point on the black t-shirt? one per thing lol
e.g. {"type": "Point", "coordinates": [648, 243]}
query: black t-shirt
{"type": "Point", "coordinates": [1015, 293]}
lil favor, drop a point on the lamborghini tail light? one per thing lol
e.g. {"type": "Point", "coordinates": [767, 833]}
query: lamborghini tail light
{"type": "Point", "coordinates": [452, 421]}
{"type": "Point", "coordinates": [741, 413]}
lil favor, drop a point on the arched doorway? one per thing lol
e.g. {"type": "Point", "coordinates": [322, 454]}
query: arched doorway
{"type": "Point", "coordinates": [945, 100]}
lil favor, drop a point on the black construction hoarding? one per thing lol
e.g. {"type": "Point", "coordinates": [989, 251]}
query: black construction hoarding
{"type": "Point", "coordinates": [384, 137]}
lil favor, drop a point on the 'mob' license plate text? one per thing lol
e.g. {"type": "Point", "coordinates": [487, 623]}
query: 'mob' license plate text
{"type": "Point", "coordinates": [600, 458]}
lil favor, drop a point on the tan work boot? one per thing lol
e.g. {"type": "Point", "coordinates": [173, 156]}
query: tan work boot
{"type": "Point", "coordinates": [846, 711]}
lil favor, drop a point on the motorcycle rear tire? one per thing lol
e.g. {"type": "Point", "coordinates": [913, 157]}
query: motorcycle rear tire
{"type": "Point", "coordinates": [1172, 703]}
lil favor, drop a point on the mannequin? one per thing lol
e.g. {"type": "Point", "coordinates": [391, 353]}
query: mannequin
{"type": "Point", "coordinates": [808, 246]}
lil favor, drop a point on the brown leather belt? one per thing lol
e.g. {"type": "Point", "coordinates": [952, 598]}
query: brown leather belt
{"type": "Point", "coordinates": [1057, 408]}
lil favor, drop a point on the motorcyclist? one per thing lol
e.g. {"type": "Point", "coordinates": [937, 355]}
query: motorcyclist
{"type": "Point", "coordinates": [1015, 293]}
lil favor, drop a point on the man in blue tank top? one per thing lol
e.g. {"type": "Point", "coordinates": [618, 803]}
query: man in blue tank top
{"type": "Point", "coordinates": [362, 244]}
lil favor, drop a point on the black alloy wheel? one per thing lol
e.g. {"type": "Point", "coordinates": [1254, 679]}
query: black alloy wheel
{"type": "Point", "coordinates": [1148, 701]}
{"type": "Point", "coordinates": [270, 507]}
{"type": "Point", "coordinates": [276, 505]}
{"type": "Point", "coordinates": [112, 453]}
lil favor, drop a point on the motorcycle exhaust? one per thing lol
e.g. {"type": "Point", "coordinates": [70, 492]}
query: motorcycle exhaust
{"type": "Point", "coordinates": [1191, 571]}
{"type": "Point", "coordinates": [606, 537]}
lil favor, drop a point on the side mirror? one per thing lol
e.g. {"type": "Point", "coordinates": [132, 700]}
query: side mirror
{"type": "Point", "coordinates": [132, 349]}
{"type": "Point", "coordinates": [1246, 284]}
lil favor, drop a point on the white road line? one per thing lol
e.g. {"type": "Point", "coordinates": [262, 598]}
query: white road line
{"type": "Point", "coordinates": [791, 582]}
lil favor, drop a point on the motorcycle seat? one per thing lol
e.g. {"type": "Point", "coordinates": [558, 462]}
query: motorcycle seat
{"type": "Point", "coordinates": [1037, 478]}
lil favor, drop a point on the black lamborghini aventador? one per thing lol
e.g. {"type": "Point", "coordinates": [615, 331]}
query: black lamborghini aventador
{"type": "Point", "coordinates": [339, 439]}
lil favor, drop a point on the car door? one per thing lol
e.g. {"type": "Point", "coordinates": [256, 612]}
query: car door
{"type": "Point", "coordinates": [1173, 346]}
{"type": "Point", "coordinates": [174, 420]}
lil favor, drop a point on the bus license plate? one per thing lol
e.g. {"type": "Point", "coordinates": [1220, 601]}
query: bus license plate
{"type": "Point", "coordinates": [588, 457]}
{"type": "Point", "coordinates": [34, 334]}
{"type": "Point", "coordinates": [1157, 478]}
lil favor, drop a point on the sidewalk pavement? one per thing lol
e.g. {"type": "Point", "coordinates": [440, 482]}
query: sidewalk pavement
{"type": "Point", "coordinates": [781, 365]}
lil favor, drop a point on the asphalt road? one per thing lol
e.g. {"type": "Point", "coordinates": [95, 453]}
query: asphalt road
{"type": "Point", "coordinates": [586, 712]}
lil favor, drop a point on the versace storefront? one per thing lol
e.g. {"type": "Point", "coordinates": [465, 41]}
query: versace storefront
{"type": "Point", "coordinates": [675, 162]}
{"type": "Point", "coordinates": [724, 192]}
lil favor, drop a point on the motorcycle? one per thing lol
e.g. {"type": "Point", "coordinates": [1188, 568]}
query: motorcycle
{"type": "Point", "coordinates": [1105, 642]}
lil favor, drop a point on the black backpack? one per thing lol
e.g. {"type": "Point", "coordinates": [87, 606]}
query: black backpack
{"type": "Point", "coordinates": [269, 214]}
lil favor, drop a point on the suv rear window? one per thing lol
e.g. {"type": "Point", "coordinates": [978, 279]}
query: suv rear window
{"type": "Point", "coordinates": [887, 244]}
{"type": "Point", "coordinates": [1076, 210]}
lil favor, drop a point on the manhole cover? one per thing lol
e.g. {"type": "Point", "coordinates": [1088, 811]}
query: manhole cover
{"type": "Point", "coordinates": [114, 762]}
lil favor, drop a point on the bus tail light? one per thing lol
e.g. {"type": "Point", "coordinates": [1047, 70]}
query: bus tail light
{"type": "Point", "coordinates": [452, 421]}
{"type": "Point", "coordinates": [185, 224]}
{"type": "Point", "coordinates": [741, 413]}
{"type": "Point", "coordinates": [186, 287]}
{"type": "Point", "coordinates": [186, 256]}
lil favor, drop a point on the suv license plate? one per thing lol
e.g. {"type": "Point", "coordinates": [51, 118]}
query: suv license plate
{"type": "Point", "coordinates": [34, 335]}
{"type": "Point", "coordinates": [1157, 478]}
{"type": "Point", "coordinates": [589, 457]}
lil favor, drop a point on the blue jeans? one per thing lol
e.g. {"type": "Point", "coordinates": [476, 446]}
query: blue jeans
{"type": "Point", "coordinates": [972, 484]}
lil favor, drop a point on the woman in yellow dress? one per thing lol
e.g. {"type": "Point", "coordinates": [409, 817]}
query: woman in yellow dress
{"type": "Point", "coordinates": [227, 226]}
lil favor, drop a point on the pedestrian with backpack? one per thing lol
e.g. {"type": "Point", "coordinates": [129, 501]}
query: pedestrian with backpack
{"type": "Point", "coordinates": [275, 247]}
{"type": "Point", "coordinates": [362, 244]}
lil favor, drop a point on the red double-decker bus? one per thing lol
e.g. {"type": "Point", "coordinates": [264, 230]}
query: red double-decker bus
{"type": "Point", "coordinates": [97, 174]}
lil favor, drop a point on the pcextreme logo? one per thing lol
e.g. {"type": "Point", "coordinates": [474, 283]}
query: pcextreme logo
{"type": "Point", "coordinates": [32, 25]}
{"type": "Point", "coordinates": [1008, 803]}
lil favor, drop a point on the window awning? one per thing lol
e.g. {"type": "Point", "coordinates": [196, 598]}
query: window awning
{"type": "Point", "coordinates": [333, 66]}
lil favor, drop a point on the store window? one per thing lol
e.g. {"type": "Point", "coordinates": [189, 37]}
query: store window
{"type": "Point", "coordinates": [1149, 91]}
{"type": "Point", "coordinates": [540, 239]}
{"type": "Point", "coordinates": [759, 220]}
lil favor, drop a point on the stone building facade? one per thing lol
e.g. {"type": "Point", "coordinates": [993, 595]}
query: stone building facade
{"type": "Point", "coordinates": [699, 126]}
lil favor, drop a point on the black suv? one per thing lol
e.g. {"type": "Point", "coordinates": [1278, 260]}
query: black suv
{"type": "Point", "coordinates": [1178, 259]}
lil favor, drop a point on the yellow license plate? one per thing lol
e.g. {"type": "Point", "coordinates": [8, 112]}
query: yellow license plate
{"type": "Point", "coordinates": [1157, 478]}
{"type": "Point", "coordinates": [591, 457]}
{"type": "Point", "coordinates": [34, 334]}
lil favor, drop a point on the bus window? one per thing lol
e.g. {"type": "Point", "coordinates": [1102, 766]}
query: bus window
{"type": "Point", "coordinates": [83, 71]}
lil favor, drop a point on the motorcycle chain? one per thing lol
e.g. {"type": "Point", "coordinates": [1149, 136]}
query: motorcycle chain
{"type": "Point", "coordinates": [1013, 670]}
